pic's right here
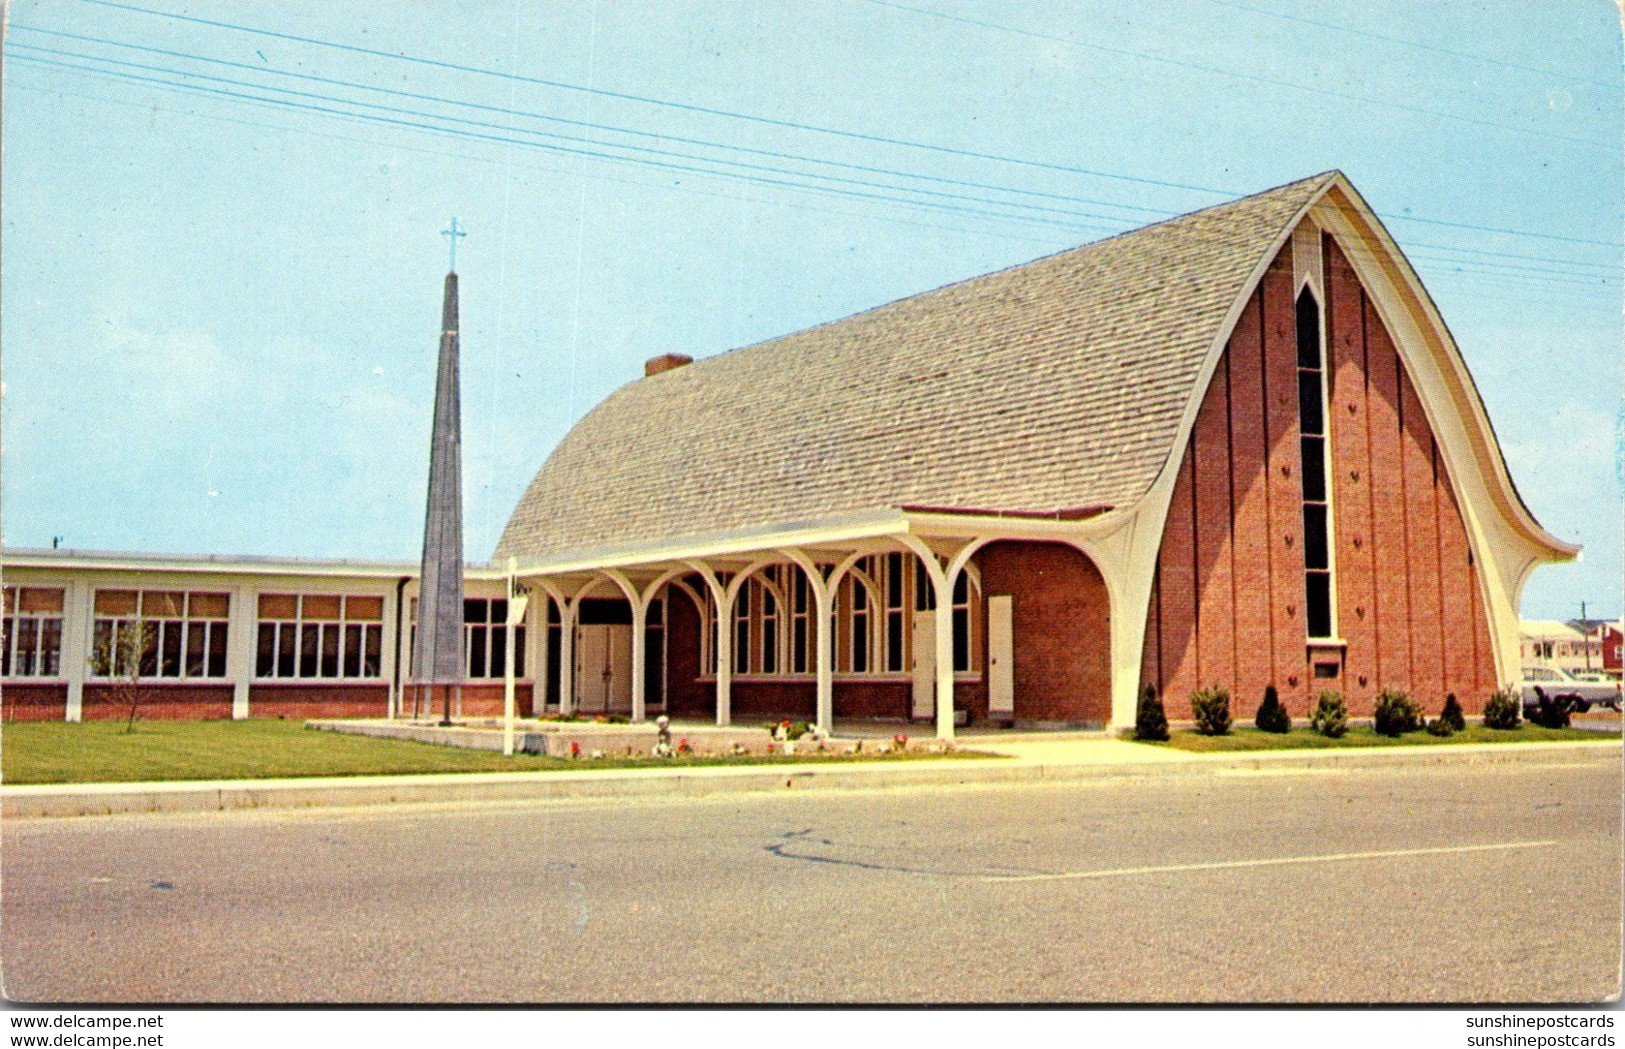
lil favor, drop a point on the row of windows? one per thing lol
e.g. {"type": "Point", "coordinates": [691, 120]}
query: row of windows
{"type": "Point", "coordinates": [873, 625]}
{"type": "Point", "coordinates": [300, 636]}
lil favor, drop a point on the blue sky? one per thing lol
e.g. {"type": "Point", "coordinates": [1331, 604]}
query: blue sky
{"type": "Point", "coordinates": [222, 268]}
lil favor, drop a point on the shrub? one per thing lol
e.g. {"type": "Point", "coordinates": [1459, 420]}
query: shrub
{"type": "Point", "coordinates": [1451, 715]}
{"type": "Point", "coordinates": [1501, 710]}
{"type": "Point", "coordinates": [1272, 716]}
{"type": "Point", "coordinates": [1331, 718]}
{"type": "Point", "coordinates": [1150, 720]}
{"type": "Point", "coordinates": [1396, 713]}
{"type": "Point", "coordinates": [1211, 709]}
{"type": "Point", "coordinates": [1440, 726]}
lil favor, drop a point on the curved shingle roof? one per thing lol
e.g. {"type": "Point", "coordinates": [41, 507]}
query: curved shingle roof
{"type": "Point", "coordinates": [1052, 385]}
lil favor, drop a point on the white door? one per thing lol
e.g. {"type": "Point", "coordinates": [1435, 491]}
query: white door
{"type": "Point", "coordinates": [604, 669]}
{"type": "Point", "coordinates": [925, 664]}
{"type": "Point", "coordinates": [1001, 658]}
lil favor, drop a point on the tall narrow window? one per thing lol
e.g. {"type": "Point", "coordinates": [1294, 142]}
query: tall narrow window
{"type": "Point", "coordinates": [894, 612]}
{"type": "Point", "coordinates": [1317, 560]}
{"type": "Point", "coordinates": [962, 622]}
{"type": "Point", "coordinates": [742, 628]}
{"type": "Point", "coordinates": [32, 643]}
{"type": "Point", "coordinates": [860, 627]}
{"type": "Point", "coordinates": [770, 627]}
{"type": "Point", "coordinates": [798, 619]}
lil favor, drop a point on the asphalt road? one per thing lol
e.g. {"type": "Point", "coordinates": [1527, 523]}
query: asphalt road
{"type": "Point", "coordinates": [1459, 883]}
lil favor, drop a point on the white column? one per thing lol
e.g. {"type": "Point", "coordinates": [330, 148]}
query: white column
{"type": "Point", "coordinates": [824, 663]}
{"type": "Point", "coordinates": [240, 647]}
{"type": "Point", "coordinates": [567, 656]}
{"type": "Point", "coordinates": [640, 619]}
{"type": "Point", "coordinates": [725, 655]}
{"type": "Point", "coordinates": [536, 646]}
{"type": "Point", "coordinates": [77, 616]}
{"type": "Point", "coordinates": [945, 652]}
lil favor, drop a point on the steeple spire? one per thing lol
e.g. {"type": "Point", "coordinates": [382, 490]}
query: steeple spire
{"type": "Point", "coordinates": [438, 649]}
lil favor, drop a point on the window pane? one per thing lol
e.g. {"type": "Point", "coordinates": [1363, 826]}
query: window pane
{"type": "Point", "coordinates": [770, 645]}
{"type": "Point", "coordinates": [309, 650]}
{"type": "Point", "coordinates": [217, 650]}
{"type": "Point", "coordinates": [364, 609]}
{"type": "Point", "coordinates": [1308, 330]}
{"type": "Point", "coordinates": [171, 665]}
{"type": "Point", "coordinates": [860, 642]}
{"type": "Point", "coordinates": [798, 650]}
{"type": "Point", "coordinates": [279, 606]}
{"type": "Point", "coordinates": [961, 588]}
{"type": "Point", "coordinates": [476, 651]}
{"type": "Point", "coordinates": [1319, 585]}
{"type": "Point", "coordinates": [1314, 468]}
{"type": "Point", "coordinates": [352, 650]}
{"type": "Point", "coordinates": [894, 580]}
{"type": "Point", "coordinates": [476, 610]}
{"type": "Point", "coordinates": [27, 639]}
{"type": "Point", "coordinates": [1314, 536]}
{"type": "Point", "coordinates": [286, 665]}
{"type": "Point", "coordinates": [961, 639]}
{"type": "Point", "coordinates": [209, 606]}
{"type": "Point", "coordinates": [1310, 419]}
{"type": "Point", "coordinates": [319, 606]}
{"type": "Point", "coordinates": [519, 653]}
{"type": "Point", "coordinates": [330, 650]}
{"type": "Point", "coordinates": [924, 596]}
{"type": "Point", "coordinates": [372, 664]}
{"type": "Point", "coordinates": [197, 634]}
{"type": "Point", "coordinates": [894, 641]}
{"type": "Point", "coordinates": [45, 600]}
{"type": "Point", "coordinates": [115, 602]}
{"type": "Point", "coordinates": [5, 647]}
{"type": "Point", "coordinates": [163, 604]}
{"type": "Point", "coordinates": [50, 653]}
{"type": "Point", "coordinates": [499, 651]}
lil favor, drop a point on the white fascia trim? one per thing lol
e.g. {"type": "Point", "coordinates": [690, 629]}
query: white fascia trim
{"type": "Point", "coordinates": [830, 531]}
{"type": "Point", "coordinates": [75, 561]}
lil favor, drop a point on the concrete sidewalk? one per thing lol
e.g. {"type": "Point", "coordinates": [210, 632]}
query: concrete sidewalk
{"type": "Point", "coordinates": [1027, 759]}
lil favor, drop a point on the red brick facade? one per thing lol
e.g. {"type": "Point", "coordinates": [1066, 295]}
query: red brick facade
{"type": "Point", "coordinates": [160, 703]}
{"type": "Point", "coordinates": [318, 700]}
{"type": "Point", "coordinates": [1227, 606]}
{"type": "Point", "coordinates": [34, 702]}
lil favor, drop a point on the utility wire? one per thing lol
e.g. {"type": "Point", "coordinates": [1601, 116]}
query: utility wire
{"type": "Point", "coordinates": [1344, 96]}
{"type": "Point", "coordinates": [1369, 35]}
{"type": "Point", "coordinates": [770, 121]}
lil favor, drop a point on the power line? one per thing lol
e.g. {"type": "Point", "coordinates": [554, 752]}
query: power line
{"type": "Point", "coordinates": [1369, 35]}
{"type": "Point", "coordinates": [1248, 77]}
{"type": "Point", "coordinates": [684, 106]}
{"type": "Point", "coordinates": [1532, 275]}
{"type": "Point", "coordinates": [770, 121]}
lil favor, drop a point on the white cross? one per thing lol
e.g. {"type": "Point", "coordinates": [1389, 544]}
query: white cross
{"type": "Point", "coordinates": [451, 233]}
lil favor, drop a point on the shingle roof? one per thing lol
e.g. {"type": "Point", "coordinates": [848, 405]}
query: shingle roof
{"type": "Point", "coordinates": [1051, 385]}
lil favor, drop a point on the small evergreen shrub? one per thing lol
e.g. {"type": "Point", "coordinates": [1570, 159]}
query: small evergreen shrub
{"type": "Point", "coordinates": [1150, 720]}
{"type": "Point", "coordinates": [1439, 726]}
{"type": "Point", "coordinates": [1396, 713]}
{"type": "Point", "coordinates": [1211, 709]}
{"type": "Point", "coordinates": [1501, 710]}
{"type": "Point", "coordinates": [1272, 716]}
{"type": "Point", "coordinates": [1452, 715]}
{"type": "Point", "coordinates": [1331, 718]}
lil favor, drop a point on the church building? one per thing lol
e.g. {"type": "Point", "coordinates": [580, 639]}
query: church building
{"type": "Point", "coordinates": [1235, 448]}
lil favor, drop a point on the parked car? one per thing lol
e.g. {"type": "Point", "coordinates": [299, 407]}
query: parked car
{"type": "Point", "coordinates": [1559, 684]}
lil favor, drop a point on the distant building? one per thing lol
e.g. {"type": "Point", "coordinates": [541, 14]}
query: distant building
{"type": "Point", "coordinates": [1549, 642]}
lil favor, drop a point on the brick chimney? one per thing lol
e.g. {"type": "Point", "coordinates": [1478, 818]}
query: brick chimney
{"type": "Point", "coordinates": [665, 363]}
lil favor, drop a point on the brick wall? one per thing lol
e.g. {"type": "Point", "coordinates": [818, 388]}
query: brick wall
{"type": "Point", "coordinates": [1227, 605]}
{"type": "Point", "coordinates": [177, 702]}
{"type": "Point", "coordinates": [318, 700]}
{"type": "Point", "coordinates": [1062, 630]}
{"type": "Point", "coordinates": [34, 702]}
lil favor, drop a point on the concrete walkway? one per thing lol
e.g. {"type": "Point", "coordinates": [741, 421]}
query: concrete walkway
{"type": "Point", "coordinates": [1022, 758]}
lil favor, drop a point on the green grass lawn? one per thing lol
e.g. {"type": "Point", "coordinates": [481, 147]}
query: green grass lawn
{"type": "Point", "coordinates": [1306, 738]}
{"type": "Point", "coordinates": [102, 752]}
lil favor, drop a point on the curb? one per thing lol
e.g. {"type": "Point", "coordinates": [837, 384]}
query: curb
{"type": "Point", "coordinates": [67, 800]}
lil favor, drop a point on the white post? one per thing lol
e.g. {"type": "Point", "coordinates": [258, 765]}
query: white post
{"type": "Point", "coordinates": [945, 652]}
{"type": "Point", "coordinates": [725, 656]}
{"type": "Point", "coordinates": [640, 620]}
{"type": "Point", "coordinates": [240, 645]}
{"type": "Point", "coordinates": [516, 614]}
{"type": "Point", "coordinates": [824, 604]}
{"type": "Point", "coordinates": [76, 634]}
{"type": "Point", "coordinates": [567, 657]}
{"type": "Point", "coordinates": [536, 643]}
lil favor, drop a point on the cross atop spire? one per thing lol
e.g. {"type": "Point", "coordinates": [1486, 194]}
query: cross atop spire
{"type": "Point", "coordinates": [451, 233]}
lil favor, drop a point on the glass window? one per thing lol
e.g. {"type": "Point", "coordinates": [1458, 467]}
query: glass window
{"type": "Point", "coordinates": [32, 629]}
{"type": "Point", "coordinates": [317, 636]}
{"type": "Point", "coordinates": [186, 631]}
